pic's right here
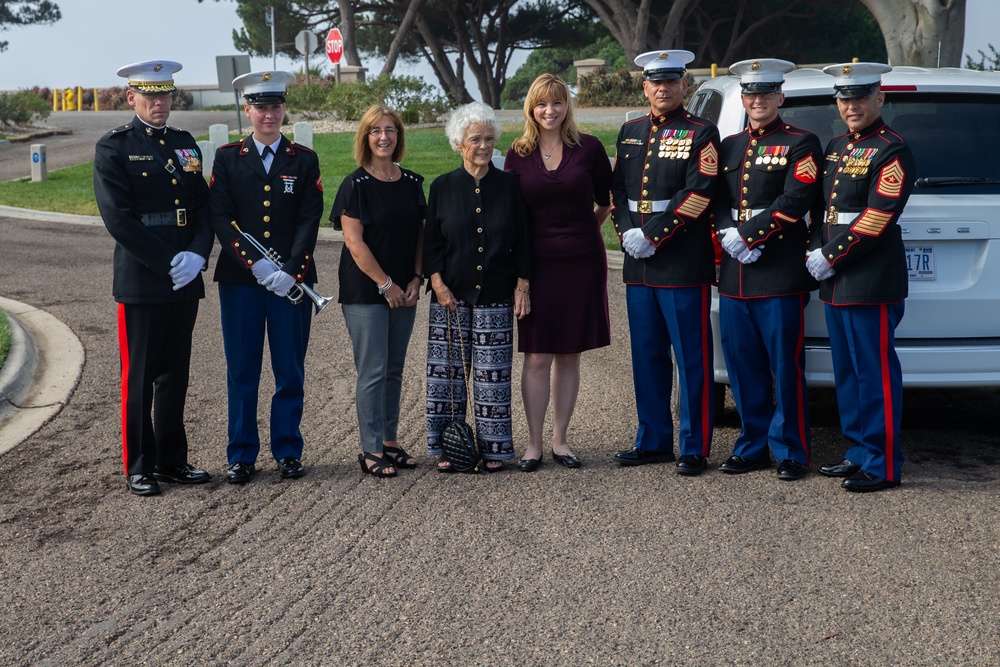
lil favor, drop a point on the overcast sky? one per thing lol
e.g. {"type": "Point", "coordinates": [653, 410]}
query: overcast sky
{"type": "Point", "coordinates": [96, 37]}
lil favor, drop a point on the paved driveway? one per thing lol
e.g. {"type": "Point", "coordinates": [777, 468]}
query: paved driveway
{"type": "Point", "coordinates": [601, 565]}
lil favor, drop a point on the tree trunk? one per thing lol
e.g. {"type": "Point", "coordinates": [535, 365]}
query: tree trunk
{"type": "Point", "coordinates": [397, 41]}
{"type": "Point", "coordinates": [924, 33]}
{"type": "Point", "coordinates": [450, 79]}
{"type": "Point", "coordinates": [347, 31]}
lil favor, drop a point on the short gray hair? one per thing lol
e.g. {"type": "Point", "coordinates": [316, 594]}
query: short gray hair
{"type": "Point", "coordinates": [467, 115]}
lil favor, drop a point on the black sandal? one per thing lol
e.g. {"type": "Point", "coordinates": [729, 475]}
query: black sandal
{"type": "Point", "coordinates": [399, 457]}
{"type": "Point", "coordinates": [378, 468]}
{"type": "Point", "coordinates": [445, 466]}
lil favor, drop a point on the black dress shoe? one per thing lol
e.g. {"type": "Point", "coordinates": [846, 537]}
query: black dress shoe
{"type": "Point", "coordinates": [638, 457]}
{"type": "Point", "coordinates": [789, 470]}
{"type": "Point", "coordinates": [691, 464]}
{"type": "Point", "coordinates": [142, 485]}
{"type": "Point", "coordinates": [290, 468]}
{"type": "Point", "coordinates": [529, 465]}
{"type": "Point", "coordinates": [568, 460]}
{"type": "Point", "coordinates": [843, 469]}
{"type": "Point", "coordinates": [737, 465]}
{"type": "Point", "coordinates": [863, 482]}
{"type": "Point", "coordinates": [239, 472]}
{"type": "Point", "coordinates": [186, 474]}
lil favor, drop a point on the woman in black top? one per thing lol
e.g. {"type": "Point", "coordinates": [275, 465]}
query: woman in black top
{"type": "Point", "coordinates": [381, 209]}
{"type": "Point", "coordinates": [477, 255]}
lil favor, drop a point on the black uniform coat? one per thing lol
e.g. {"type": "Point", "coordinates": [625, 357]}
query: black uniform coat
{"type": "Point", "coordinates": [673, 157]}
{"type": "Point", "coordinates": [868, 173]}
{"type": "Point", "coordinates": [281, 209]}
{"type": "Point", "coordinates": [774, 168]}
{"type": "Point", "coordinates": [128, 183]}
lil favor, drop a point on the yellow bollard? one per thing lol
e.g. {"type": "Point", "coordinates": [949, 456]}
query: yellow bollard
{"type": "Point", "coordinates": [67, 99]}
{"type": "Point", "coordinates": [55, 99]}
{"type": "Point", "coordinates": [79, 98]}
{"type": "Point", "coordinates": [715, 70]}
{"type": "Point", "coordinates": [96, 105]}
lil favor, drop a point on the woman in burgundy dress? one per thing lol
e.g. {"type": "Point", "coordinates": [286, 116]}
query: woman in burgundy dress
{"type": "Point", "coordinates": [566, 182]}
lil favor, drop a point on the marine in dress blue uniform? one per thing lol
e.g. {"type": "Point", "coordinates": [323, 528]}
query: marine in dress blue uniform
{"type": "Point", "coordinates": [859, 258]}
{"type": "Point", "coordinates": [272, 190]}
{"type": "Point", "coordinates": [769, 184]}
{"type": "Point", "coordinates": [665, 174]}
{"type": "Point", "coordinates": [153, 199]}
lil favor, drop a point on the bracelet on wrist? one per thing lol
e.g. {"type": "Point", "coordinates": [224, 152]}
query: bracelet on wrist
{"type": "Point", "coordinates": [419, 276]}
{"type": "Point", "coordinates": [382, 289]}
{"type": "Point", "coordinates": [523, 290]}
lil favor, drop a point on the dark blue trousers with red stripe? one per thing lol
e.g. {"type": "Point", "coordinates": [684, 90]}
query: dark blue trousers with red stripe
{"type": "Point", "coordinates": [869, 384]}
{"type": "Point", "coordinates": [661, 318]}
{"type": "Point", "coordinates": [247, 312]}
{"type": "Point", "coordinates": [763, 341]}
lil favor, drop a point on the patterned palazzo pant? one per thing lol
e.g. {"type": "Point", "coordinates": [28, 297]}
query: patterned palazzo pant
{"type": "Point", "coordinates": [490, 328]}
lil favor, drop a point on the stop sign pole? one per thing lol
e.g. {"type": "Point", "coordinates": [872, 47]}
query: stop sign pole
{"type": "Point", "coordinates": [335, 49]}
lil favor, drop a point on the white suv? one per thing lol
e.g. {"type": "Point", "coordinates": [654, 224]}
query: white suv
{"type": "Point", "coordinates": [950, 334]}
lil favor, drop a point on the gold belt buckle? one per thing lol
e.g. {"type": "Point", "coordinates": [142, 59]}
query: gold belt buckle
{"type": "Point", "coordinates": [645, 206]}
{"type": "Point", "coordinates": [182, 217]}
{"type": "Point", "coordinates": [831, 217]}
{"type": "Point", "coordinates": [745, 214]}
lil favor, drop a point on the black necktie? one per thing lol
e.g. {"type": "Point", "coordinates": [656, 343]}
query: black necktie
{"type": "Point", "coordinates": [263, 156]}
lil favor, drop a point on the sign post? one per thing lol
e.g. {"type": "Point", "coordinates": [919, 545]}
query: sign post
{"type": "Point", "coordinates": [335, 49]}
{"type": "Point", "coordinates": [228, 68]}
{"type": "Point", "coordinates": [305, 43]}
{"type": "Point", "coordinates": [269, 20]}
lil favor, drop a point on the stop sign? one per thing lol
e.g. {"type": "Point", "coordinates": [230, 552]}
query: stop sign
{"type": "Point", "coordinates": [335, 45]}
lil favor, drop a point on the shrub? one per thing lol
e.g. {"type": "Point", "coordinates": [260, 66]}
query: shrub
{"type": "Point", "coordinates": [22, 107]}
{"type": "Point", "coordinates": [310, 99]}
{"type": "Point", "coordinates": [611, 89]}
{"type": "Point", "coordinates": [416, 101]}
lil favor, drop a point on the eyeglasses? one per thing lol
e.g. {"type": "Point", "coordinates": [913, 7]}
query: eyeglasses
{"type": "Point", "coordinates": [378, 131]}
{"type": "Point", "coordinates": [767, 97]}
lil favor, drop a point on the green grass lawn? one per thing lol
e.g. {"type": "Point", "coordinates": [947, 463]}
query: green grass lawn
{"type": "Point", "coordinates": [4, 337]}
{"type": "Point", "coordinates": [71, 190]}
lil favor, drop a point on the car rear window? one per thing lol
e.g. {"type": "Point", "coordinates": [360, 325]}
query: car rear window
{"type": "Point", "coordinates": [951, 135]}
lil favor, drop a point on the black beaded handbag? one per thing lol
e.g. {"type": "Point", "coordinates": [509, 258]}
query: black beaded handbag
{"type": "Point", "coordinates": [458, 440]}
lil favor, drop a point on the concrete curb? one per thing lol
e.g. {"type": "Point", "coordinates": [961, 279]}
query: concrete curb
{"type": "Point", "coordinates": [37, 379]}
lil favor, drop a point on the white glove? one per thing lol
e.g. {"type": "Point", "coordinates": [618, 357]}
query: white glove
{"type": "Point", "coordinates": [636, 244]}
{"type": "Point", "coordinates": [279, 282]}
{"type": "Point", "coordinates": [262, 268]}
{"type": "Point", "coordinates": [185, 267]}
{"type": "Point", "coordinates": [732, 242]}
{"type": "Point", "coordinates": [817, 265]}
{"type": "Point", "coordinates": [748, 256]}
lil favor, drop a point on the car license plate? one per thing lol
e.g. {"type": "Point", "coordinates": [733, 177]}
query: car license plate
{"type": "Point", "coordinates": [920, 262]}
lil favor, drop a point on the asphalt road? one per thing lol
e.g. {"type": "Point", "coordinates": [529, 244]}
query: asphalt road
{"type": "Point", "coordinates": [602, 565]}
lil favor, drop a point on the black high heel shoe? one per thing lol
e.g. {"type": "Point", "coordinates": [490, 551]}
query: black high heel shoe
{"type": "Point", "coordinates": [568, 460]}
{"type": "Point", "coordinates": [379, 466]}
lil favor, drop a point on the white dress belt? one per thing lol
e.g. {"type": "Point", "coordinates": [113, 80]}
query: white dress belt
{"type": "Point", "coordinates": [648, 205]}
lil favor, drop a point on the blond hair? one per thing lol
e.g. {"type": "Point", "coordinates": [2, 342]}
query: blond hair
{"type": "Point", "coordinates": [375, 113]}
{"type": "Point", "coordinates": [547, 87]}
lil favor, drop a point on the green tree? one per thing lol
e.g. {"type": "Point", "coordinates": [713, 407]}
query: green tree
{"type": "Point", "coordinates": [987, 62]}
{"type": "Point", "coordinates": [26, 12]}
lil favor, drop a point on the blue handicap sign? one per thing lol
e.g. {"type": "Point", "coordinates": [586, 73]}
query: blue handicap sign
{"type": "Point", "coordinates": [34, 157]}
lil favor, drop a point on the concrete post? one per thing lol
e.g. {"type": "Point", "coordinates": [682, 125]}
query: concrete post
{"type": "Point", "coordinates": [351, 73]}
{"type": "Point", "coordinates": [588, 66]}
{"type": "Point", "coordinates": [207, 149]}
{"type": "Point", "coordinates": [303, 133]}
{"type": "Point", "coordinates": [218, 134]}
{"type": "Point", "coordinates": [39, 165]}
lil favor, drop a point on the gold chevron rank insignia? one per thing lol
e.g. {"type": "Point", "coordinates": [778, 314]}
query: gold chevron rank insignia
{"type": "Point", "coordinates": [890, 181]}
{"type": "Point", "coordinates": [709, 163]}
{"type": "Point", "coordinates": [693, 206]}
{"type": "Point", "coordinates": [806, 170]}
{"type": "Point", "coordinates": [871, 222]}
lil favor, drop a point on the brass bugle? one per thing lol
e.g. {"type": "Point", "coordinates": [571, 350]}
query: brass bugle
{"type": "Point", "coordinates": [298, 289]}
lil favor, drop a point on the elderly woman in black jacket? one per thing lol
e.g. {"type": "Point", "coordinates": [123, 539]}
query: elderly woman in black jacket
{"type": "Point", "coordinates": [477, 256]}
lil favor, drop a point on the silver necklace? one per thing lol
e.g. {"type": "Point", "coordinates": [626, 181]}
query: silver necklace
{"type": "Point", "coordinates": [379, 171]}
{"type": "Point", "coordinates": [548, 155]}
